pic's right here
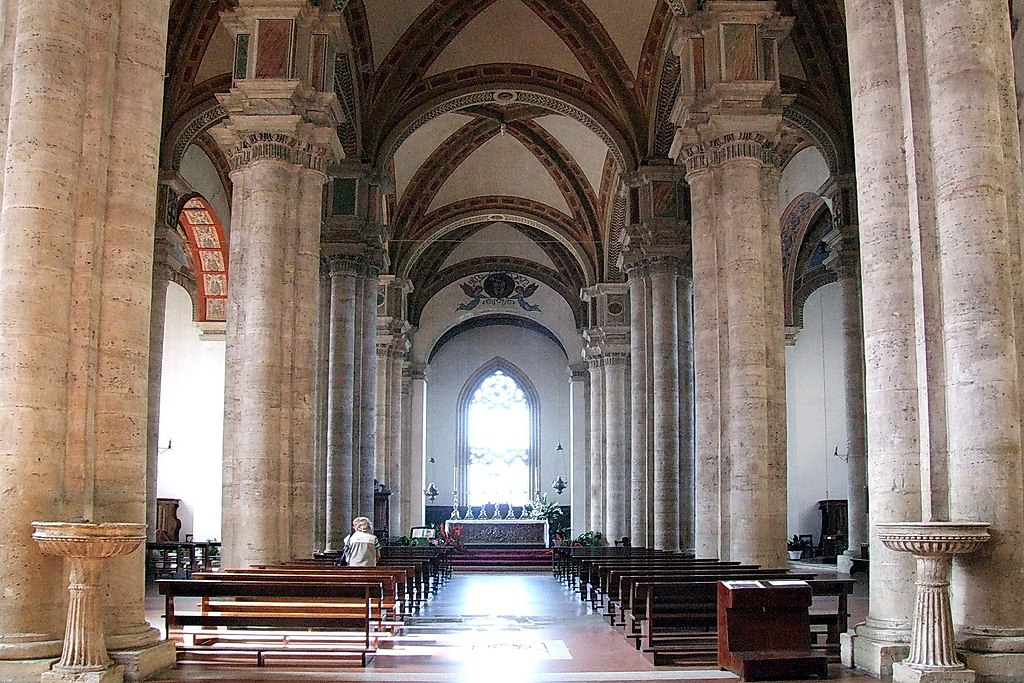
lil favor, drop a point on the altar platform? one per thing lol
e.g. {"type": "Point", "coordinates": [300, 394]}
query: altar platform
{"type": "Point", "coordinates": [506, 533]}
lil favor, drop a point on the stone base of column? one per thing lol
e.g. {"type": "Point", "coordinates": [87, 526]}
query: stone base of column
{"type": "Point", "coordinates": [901, 673]}
{"type": "Point", "coordinates": [25, 669]}
{"type": "Point", "coordinates": [859, 650]}
{"type": "Point", "coordinates": [114, 674]}
{"type": "Point", "coordinates": [141, 663]}
{"type": "Point", "coordinates": [994, 667]}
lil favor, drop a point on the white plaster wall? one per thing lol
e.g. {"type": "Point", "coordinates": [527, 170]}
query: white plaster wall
{"type": "Point", "coordinates": [498, 239]}
{"type": "Point", "coordinates": [816, 412]}
{"type": "Point", "coordinates": [441, 314]}
{"type": "Point", "coordinates": [805, 172]}
{"type": "Point", "coordinates": [191, 419]}
{"type": "Point", "coordinates": [200, 173]}
{"type": "Point", "coordinates": [533, 353]}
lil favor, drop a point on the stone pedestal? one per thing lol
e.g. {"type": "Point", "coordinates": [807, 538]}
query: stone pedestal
{"type": "Point", "coordinates": [85, 545]}
{"type": "Point", "coordinates": [932, 644]}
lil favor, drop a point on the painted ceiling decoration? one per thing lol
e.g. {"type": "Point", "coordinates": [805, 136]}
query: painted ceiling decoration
{"type": "Point", "coordinates": [209, 253]}
{"type": "Point", "coordinates": [498, 289]}
{"type": "Point", "coordinates": [524, 113]}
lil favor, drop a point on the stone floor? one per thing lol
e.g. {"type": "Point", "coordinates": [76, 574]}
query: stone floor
{"type": "Point", "coordinates": [496, 628]}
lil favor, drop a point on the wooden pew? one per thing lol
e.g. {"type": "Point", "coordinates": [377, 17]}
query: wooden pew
{"type": "Point", "coordinates": [396, 581]}
{"type": "Point", "coordinates": [273, 620]}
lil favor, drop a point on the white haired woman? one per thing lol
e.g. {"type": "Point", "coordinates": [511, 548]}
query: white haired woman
{"type": "Point", "coordinates": [362, 548]}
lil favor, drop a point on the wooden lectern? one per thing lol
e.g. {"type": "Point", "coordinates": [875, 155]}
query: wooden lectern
{"type": "Point", "coordinates": [764, 631]}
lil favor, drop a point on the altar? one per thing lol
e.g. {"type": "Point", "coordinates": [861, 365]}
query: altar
{"type": "Point", "coordinates": [503, 532]}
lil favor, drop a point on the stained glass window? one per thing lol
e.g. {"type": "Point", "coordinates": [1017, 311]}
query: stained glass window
{"type": "Point", "coordinates": [499, 438]}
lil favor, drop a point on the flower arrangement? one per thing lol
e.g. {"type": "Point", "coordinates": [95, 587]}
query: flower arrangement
{"type": "Point", "coordinates": [794, 544]}
{"type": "Point", "coordinates": [452, 539]}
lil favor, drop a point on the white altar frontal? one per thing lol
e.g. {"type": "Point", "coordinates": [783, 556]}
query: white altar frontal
{"type": "Point", "coordinates": [502, 532]}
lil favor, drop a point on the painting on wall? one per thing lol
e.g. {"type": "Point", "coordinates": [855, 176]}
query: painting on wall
{"type": "Point", "coordinates": [499, 289]}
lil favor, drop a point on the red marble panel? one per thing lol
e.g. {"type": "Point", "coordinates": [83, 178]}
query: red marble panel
{"type": "Point", "coordinates": [739, 52]}
{"type": "Point", "coordinates": [274, 49]}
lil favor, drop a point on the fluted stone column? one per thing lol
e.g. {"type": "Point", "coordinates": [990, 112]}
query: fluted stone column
{"type": "Point", "coordinates": [617, 497]}
{"type": "Point", "coordinates": [844, 259]}
{"type": "Point", "coordinates": [641, 460]}
{"type": "Point", "coordinates": [665, 367]}
{"type": "Point", "coordinates": [340, 412]}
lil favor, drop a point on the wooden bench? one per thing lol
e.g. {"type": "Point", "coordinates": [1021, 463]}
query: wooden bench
{"type": "Point", "coordinates": [279, 620]}
{"type": "Point", "coordinates": [394, 580]}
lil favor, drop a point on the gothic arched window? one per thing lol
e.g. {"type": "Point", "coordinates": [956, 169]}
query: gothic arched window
{"type": "Point", "coordinates": [499, 420]}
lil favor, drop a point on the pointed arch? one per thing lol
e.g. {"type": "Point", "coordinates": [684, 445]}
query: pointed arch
{"type": "Point", "coordinates": [532, 396]}
{"type": "Point", "coordinates": [209, 251]}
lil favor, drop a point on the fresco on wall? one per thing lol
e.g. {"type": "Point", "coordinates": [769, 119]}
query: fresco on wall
{"type": "Point", "coordinates": [498, 289]}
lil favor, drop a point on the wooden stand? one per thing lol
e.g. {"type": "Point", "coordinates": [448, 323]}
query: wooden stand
{"type": "Point", "coordinates": [764, 630]}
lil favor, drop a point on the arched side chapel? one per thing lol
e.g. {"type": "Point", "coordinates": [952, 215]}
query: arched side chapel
{"type": "Point", "coordinates": [637, 208]}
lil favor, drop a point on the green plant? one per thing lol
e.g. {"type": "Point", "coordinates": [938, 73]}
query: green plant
{"type": "Point", "coordinates": [548, 510]}
{"type": "Point", "coordinates": [588, 539]}
{"type": "Point", "coordinates": [794, 543]}
{"type": "Point", "coordinates": [402, 540]}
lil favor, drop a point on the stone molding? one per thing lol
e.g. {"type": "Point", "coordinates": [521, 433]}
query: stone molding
{"type": "Point", "coordinates": [343, 264]}
{"type": "Point", "coordinates": [255, 147]}
{"type": "Point", "coordinates": [726, 148]}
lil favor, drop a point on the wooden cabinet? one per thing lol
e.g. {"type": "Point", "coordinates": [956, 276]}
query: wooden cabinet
{"type": "Point", "coordinates": [168, 526]}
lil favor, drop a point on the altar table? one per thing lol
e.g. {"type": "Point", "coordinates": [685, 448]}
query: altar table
{"type": "Point", "coordinates": [508, 532]}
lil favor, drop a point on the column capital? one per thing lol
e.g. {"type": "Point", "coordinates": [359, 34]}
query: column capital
{"type": "Point", "coordinates": [417, 371]}
{"type": "Point", "coordinates": [578, 372]}
{"type": "Point", "coordinates": [279, 119]}
{"type": "Point", "coordinates": [602, 341]}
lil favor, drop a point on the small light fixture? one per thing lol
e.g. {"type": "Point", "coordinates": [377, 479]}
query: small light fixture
{"type": "Point", "coordinates": [431, 492]}
{"type": "Point", "coordinates": [560, 484]}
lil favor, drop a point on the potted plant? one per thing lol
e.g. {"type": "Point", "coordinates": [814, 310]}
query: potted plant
{"type": "Point", "coordinates": [551, 511]}
{"type": "Point", "coordinates": [795, 548]}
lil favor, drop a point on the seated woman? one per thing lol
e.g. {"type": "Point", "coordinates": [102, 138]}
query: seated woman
{"type": "Point", "coordinates": [362, 548]}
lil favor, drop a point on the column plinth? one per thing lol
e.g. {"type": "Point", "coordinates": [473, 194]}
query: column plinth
{"type": "Point", "coordinates": [932, 643]}
{"type": "Point", "coordinates": [85, 545]}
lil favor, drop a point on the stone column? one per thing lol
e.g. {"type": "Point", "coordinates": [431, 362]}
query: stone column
{"type": "Point", "coordinates": [413, 444]}
{"type": "Point", "coordinates": [729, 110]}
{"type": "Point", "coordinates": [578, 427]}
{"type": "Point", "coordinates": [607, 351]}
{"type": "Point", "coordinates": [340, 412]}
{"type": "Point", "coordinates": [684, 344]}
{"type": "Point", "coordinates": [367, 392]}
{"type": "Point", "coordinates": [710, 355]}
{"type": "Point", "coordinates": [617, 498]}
{"type": "Point", "coordinates": [49, 49]}
{"type": "Point", "coordinates": [641, 477]}
{"type": "Point", "coordinates": [406, 491]}
{"type": "Point", "coordinates": [977, 194]}
{"type": "Point", "coordinates": [844, 260]}
{"type": "Point", "coordinates": [665, 367]}
{"type": "Point", "coordinates": [158, 311]}
{"type": "Point", "coordinates": [279, 136]}
{"type": "Point", "coordinates": [597, 445]}
{"type": "Point", "coordinates": [891, 329]}
{"type": "Point", "coordinates": [392, 346]}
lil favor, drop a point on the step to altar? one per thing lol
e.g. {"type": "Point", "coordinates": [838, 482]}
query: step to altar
{"type": "Point", "coordinates": [501, 559]}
